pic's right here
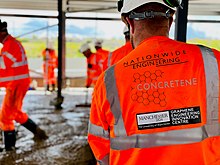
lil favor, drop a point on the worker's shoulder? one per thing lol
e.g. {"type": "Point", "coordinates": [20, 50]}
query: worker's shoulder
{"type": "Point", "coordinates": [123, 47]}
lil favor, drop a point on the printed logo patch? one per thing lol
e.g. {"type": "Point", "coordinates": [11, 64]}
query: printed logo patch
{"type": "Point", "coordinates": [168, 118]}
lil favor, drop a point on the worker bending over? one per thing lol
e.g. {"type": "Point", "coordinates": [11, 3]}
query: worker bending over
{"type": "Point", "coordinates": [93, 65]}
{"type": "Point", "coordinates": [101, 52]}
{"type": "Point", "coordinates": [14, 76]}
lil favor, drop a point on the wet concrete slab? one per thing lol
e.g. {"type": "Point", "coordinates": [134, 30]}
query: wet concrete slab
{"type": "Point", "coordinates": [66, 128]}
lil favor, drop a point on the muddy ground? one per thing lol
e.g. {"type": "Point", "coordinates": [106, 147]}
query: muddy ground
{"type": "Point", "coordinates": [66, 128]}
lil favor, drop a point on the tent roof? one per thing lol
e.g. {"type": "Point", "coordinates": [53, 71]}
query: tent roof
{"type": "Point", "coordinates": [196, 7]}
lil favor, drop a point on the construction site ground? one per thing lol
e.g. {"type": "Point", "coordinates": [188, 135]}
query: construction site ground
{"type": "Point", "coordinates": [66, 128]}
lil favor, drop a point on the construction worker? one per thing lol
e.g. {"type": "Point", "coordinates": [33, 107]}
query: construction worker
{"type": "Point", "coordinates": [159, 105]}
{"type": "Point", "coordinates": [14, 77]}
{"type": "Point", "coordinates": [119, 53]}
{"type": "Point", "coordinates": [93, 65]}
{"type": "Point", "coordinates": [50, 63]}
{"type": "Point", "coordinates": [101, 52]}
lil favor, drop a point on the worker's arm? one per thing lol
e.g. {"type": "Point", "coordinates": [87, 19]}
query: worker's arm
{"type": "Point", "coordinates": [98, 133]}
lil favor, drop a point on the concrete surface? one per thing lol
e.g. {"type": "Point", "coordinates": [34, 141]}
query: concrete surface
{"type": "Point", "coordinates": [66, 128]}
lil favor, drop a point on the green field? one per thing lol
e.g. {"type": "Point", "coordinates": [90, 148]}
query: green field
{"type": "Point", "coordinates": [34, 47]}
{"type": "Point", "coordinates": [210, 43]}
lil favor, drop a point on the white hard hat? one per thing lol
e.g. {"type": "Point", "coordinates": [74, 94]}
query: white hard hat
{"type": "Point", "coordinates": [129, 5]}
{"type": "Point", "coordinates": [84, 47]}
{"type": "Point", "coordinates": [98, 42]}
{"type": "Point", "coordinates": [125, 30]}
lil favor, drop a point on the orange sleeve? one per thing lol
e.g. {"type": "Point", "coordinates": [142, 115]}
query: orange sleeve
{"type": "Point", "coordinates": [100, 145]}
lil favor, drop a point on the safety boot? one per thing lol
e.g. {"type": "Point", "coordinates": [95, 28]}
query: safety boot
{"type": "Point", "coordinates": [48, 87]}
{"type": "Point", "coordinates": [53, 88]}
{"type": "Point", "coordinates": [9, 140]}
{"type": "Point", "coordinates": [39, 134]}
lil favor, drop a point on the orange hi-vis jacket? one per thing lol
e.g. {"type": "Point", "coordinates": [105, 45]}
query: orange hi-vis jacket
{"type": "Point", "coordinates": [95, 70]}
{"type": "Point", "coordinates": [14, 76]}
{"type": "Point", "coordinates": [117, 55]}
{"type": "Point", "coordinates": [13, 62]}
{"type": "Point", "coordinates": [159, 105]}
{"type": "Point", "coordinates": [104, 54]}
{"type": "Point", "coordinates": [49, 65]}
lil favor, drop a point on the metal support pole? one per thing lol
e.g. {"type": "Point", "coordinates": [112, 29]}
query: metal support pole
{"type": "Point", "coordinates": [61, 53]}
{"type": "Point", "coordinates": [181, 22]}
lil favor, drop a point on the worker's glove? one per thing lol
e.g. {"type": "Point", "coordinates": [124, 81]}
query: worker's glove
{"type": "Point", "coordinates": [90, 66]}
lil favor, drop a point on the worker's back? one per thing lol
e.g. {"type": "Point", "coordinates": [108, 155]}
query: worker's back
{"type": "Point", "coordinates": [161, 106]}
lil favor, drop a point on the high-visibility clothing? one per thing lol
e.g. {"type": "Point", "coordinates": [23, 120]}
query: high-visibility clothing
{"type": "Point", "coordinates": [104, 54]}
{"type": "Point", "coordinates": [117, 55]}
{"type": "Point", "coordinates": [159, 105]}
{"type": "Point", "coordinates": [50, 63]}
{"type": "Point", "coordinates": [13, 62]}
{"type": "Point", "coordinates": [14, 76]}
{"type": "Point", "coordinates": [11, 109]}
{"type": "Point", "coordinates": [93, 69]}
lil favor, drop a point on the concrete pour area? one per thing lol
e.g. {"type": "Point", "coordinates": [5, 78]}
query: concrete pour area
{"type": "Point", "coordinates": [66, 128]}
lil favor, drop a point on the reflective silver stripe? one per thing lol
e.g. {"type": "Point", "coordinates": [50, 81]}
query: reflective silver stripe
{"type": "Point", "coordinates": [212, 90]}
{"type": "Point", "coordinates": [18, 64]}
{"type": "Point", "coordinates": [11, 78]}
{"type": "Point", "coordinates": [113, 98]}
{"type": "Point", "coordinates": [184, 136]}
{"type": "Point", "coordinates": [10, 56]}
{"type": "Point", "coordinates": [104, 161]}
{"type": "Point", "coordinates": [13, 59]}
{"type": "Point", "coordinates": [92, 71]}
{"type": "Point", "coordinates": [109, 59]}
{"type": "Point", "coordinates": [95, 78]}
{"type": "Point", "coordinates": [2, 63]}
{"type": "Point", "coordinates": [98, 131]}
{"type": "Point", "coordinates": [22, 51]}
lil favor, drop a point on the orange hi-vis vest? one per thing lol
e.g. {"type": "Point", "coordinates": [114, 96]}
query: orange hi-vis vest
{"type": "Point", "coordinates": [93, 72]}
{"type": "Point", "coordinates": [103, 55]}
{"type": "Point", "coordinates": [118, 54]}
{"type": "Point", "coordinates": [13, 62]}
{"type": "Point", "coordinates": [159, 105]}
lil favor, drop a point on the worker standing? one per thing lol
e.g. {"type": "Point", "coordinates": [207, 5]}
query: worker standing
{"type": "Point", "coordinates": [119, 53]}
{"type": "Point", "coordinates": [93, 65]}
{"type": "Point", "coordinates": [50, 63]}
{"type": "Point", "coordinates": [159, 105]}
{"type": "Point", "coordinates": [14, 76]}
{"type": "Point", "coordinates": [101, 52]}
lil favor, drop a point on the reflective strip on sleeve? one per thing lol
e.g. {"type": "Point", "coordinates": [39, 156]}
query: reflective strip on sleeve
{"type": "Point", "coordinates": [13, 59]}
{"type": "Point", "coordinates": [98, 131]}
{"type": "Point", "coordinates": [18, 64]}
{"type": "Point", "coordinates": [212, 90]}
{"type": "Point", "coordinates": [109, 59]}
{"type": "Point", "coordinates": [22, 51]}
{"type": "Point", "coordinates": [104, 161]}
{"type": "Point", "coordinates": [2, 63]}
{"type": "Point", "coordinates": [9, 56]}
{"type": "Point", "coordinates": [113, 98]}
{"type": "Point", "coordinates": [174, 137]}
{"type": "Point", "coordinates": [11, 78]}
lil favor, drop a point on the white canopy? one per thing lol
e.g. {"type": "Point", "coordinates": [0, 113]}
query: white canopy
{"type": "Point", "coordinates": [196, 7]}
